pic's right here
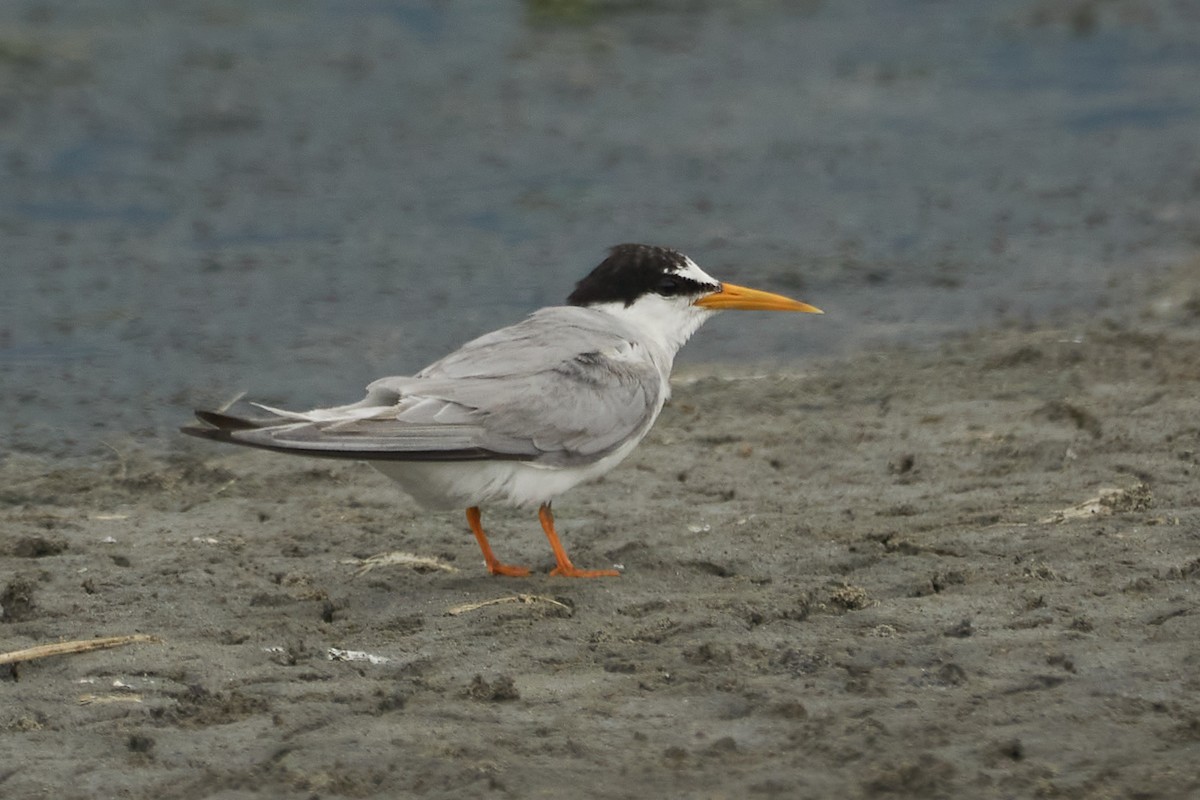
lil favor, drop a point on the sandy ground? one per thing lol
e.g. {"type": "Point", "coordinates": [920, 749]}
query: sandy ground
{"type": "Point", "coordinates": [881, 578]}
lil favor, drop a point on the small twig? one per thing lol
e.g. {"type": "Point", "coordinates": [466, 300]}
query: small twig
{"type": "Point", "coordinates": [70, 648]}
{"type": "Point", "coordinates": [123, 472]}
{"type": "Point", "coordinates": [93, 699]}
{"type": "Point", "coordinates": [1108, 500]}
{"type": "Point", "coordinates": [527, 599]}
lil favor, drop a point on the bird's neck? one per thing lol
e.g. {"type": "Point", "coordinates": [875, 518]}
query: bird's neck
{"type": "Point", "coordinates": [664, 324]}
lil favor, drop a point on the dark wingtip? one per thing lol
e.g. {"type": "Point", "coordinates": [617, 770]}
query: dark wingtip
{"type": "Point", "coordinates": [218, 426]}
{"type": "Point", "coordinates": [225, 422]}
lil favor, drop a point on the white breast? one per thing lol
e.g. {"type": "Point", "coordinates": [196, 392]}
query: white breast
{"type": "Point", "coordinates": [462, 484]}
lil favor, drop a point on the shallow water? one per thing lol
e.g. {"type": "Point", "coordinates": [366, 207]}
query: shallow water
{"type": "Point", "coordinates": [295, 198]}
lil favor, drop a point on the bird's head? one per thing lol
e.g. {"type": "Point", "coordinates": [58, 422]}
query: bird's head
{"type": "Point", "coordinates": [664, 293]}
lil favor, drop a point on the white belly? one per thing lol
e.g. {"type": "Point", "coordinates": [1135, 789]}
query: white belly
{"type": "Point", "coordinates": [462, 484]}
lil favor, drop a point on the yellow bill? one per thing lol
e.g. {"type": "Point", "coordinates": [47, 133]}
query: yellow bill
{"type": "Point", "coordinates": [733, 296]}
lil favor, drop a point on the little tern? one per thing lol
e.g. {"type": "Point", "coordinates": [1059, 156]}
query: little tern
{"type": "Point", "coordinates": [520, 415]}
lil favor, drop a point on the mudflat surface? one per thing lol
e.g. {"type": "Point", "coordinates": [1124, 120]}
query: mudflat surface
{"type": "Point", "coordinates": [963, 571]}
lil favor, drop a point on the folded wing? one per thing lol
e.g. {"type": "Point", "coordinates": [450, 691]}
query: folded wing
{"type": "Point", "coordinates": [565, 387]}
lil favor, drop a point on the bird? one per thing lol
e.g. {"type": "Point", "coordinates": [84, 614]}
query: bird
{"type": "Point", "coordinates": [522, 414]}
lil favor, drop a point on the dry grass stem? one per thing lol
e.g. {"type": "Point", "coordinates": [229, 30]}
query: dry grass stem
{"type": "Point", "coordinates": [70, 648]}
{"type": "Point", "coordinates": [526, 599]}
{"type": "Point", "coordinates": [398, 558]}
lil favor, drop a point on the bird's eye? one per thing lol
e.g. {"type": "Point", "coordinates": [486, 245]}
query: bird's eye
{"type": "Point", "coordinates": [668, 286]}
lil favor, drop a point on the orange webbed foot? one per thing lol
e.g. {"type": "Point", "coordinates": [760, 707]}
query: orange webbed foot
{"type": "Point", "coordinates": [565, 568]}
{"type": "Point", "coordinates": [508, 570]}
{"type": "Point", "coordinates": [494, 565]}
{"type": "Point", "coordinates": [572, 571]}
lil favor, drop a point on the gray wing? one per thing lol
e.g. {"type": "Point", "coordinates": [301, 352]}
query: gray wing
{"type": "Point", "coordinates": [567, 386]}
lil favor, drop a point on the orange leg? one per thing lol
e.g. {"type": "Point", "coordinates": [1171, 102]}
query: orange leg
{"type": "Point", "coordinates": [565, 568]}
{"type": "Point", "coordinates": [474, 519]}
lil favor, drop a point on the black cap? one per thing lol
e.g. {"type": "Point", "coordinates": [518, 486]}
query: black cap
{"type": "Point", "coordinates": [635, 270]}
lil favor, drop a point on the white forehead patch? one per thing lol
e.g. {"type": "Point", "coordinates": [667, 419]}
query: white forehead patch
{"type": "Point", "coordinates": [693, 272]}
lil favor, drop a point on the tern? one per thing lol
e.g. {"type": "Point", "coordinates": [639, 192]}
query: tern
{"type": "Point", "coordinates": [520, 415]}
